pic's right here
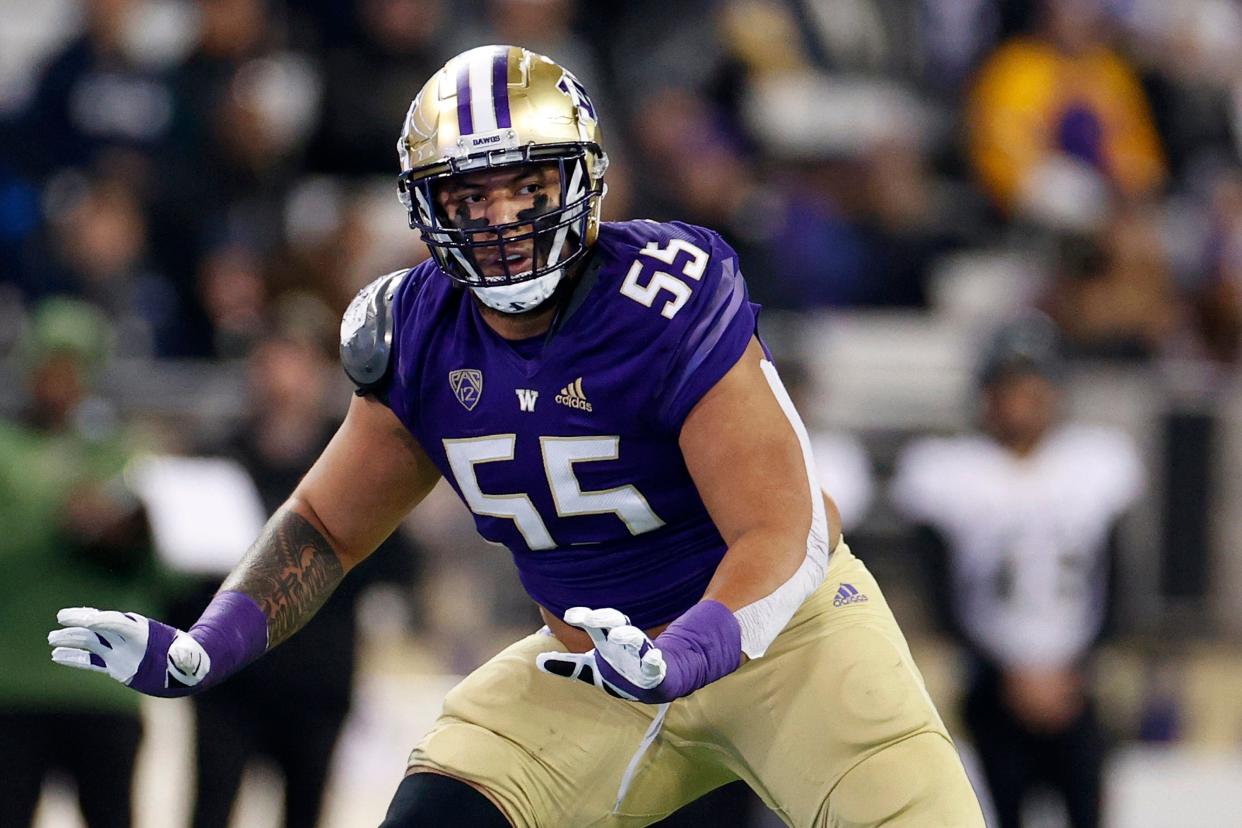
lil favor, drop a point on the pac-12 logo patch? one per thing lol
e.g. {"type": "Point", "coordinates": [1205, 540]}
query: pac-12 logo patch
{"type": "Point", "coordinates": [467, 384]}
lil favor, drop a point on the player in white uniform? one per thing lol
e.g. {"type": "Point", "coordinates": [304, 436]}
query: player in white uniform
{"type": "Point", "coordinates": [1026, 510]}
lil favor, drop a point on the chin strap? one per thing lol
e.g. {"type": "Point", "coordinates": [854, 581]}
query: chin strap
{"type": "Point", "coordinates": [522, 296]}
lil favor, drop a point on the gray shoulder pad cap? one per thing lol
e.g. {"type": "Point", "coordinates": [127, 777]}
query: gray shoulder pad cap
{"type": "Point", "coordinates": [366, 332]}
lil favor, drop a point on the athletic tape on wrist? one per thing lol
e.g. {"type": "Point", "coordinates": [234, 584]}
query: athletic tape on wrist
{"type": "Point", "coordinates": [233, 631]}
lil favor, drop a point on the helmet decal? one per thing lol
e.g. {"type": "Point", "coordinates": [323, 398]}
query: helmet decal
{"type": "Point", "coordinates": [500, 88]}
{"type": "Point", "coordinates": [483, 91]}
{"type": "Point", "coordinates": [465, 100]}
{"type": "Point", "coordinates": [577, 93]}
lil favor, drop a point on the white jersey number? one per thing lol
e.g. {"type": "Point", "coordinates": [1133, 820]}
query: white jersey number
{"type": "Point", "coordinates": [663, 280]}
{"type": "Point", "coordinates": [559, 456]}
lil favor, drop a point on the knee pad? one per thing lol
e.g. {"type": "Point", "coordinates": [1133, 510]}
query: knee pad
{"type": "Point", "coordinates": [425, 800]}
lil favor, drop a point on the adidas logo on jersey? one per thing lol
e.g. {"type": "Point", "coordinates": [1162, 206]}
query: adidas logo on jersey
{"type": "Point", "coordinates": [572, 396]}
{"type": "Point", "coordinates": [847, 594]}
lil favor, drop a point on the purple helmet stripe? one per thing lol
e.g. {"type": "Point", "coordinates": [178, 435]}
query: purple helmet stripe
{"type": "Point", "coordinates": [465, 121]}
{"type": "Point", "coordinates": [500, 88]}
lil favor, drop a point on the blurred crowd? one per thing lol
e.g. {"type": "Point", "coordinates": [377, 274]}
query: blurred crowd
{"type": "Point", "coordinates": [198, 169]}
{"type": "Point", "coordinates": [211, 181]}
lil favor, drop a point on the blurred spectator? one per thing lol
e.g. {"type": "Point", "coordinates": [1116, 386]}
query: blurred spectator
{"type": "Point", "coordinates": [370, 80]}
{"type": "Point", "coordinates": [231, 32]}
{"type": "Point", "coordinates": [859, 37]}
{"type": "Point", "coordinates": [103, 108]}
{"type": "Point", "coordinates": [856, 230]}
{"type": "Point", "coordinates": [1191, 54]}
{"type": "Point", "coordinates": [764, 37]}
{"type": "Point", "coordinates": [234, 296]}
{"type": "Point", "coordinates": [244, 110]}
{"type": "Point", "coordinates": [98, 248]}
{"type": "Point", "coordinates": [647, 45]}
{"type": "Point", "coordinates": [1217, 294]}
{"type": "Point", "coordinates": [956, 34]}
{"type": "Point", "coordinates": [72, 529]}
{"type": "Point", "coordinates": [1020, 522]}
{"type": "Point", "coordinates": [546, 27]}
{"type": "Point", "coordinates": [1113, 293]}
{"type": "Point", "coordinates": [840, 197]}
{"type": "Point", "coordinates": [796, 247]}
{"type": "Point", "coordinates": [907, 221]}
{"type": "Point", "coordinates": [104, 93]}
{"type": "Point", "coordinates": [288, 707]}
{"type": "Point", "coordinates": [338, 237]}
{"type": "Point", "coordinates": [1057, 121]}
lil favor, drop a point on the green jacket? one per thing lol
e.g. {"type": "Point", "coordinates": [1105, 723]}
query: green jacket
{"type": "Point", "coordinates": [42, 569]}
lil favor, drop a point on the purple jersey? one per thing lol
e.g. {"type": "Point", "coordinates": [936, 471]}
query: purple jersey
{"type": "Point", "coordinates": [565, 448]}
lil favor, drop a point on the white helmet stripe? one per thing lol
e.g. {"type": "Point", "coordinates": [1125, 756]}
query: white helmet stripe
{"type": "Point", "coordinates": [482, 105]}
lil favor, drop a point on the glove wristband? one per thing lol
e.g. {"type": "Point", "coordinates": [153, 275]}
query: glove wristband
{"type": "Point", "coordinates": [701, 646]}
{"type": "Point", "coordinates": [233, 631]}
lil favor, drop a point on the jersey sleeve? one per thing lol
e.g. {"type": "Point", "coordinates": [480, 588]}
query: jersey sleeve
{"type": "Point", "coordinates": [709, 334]}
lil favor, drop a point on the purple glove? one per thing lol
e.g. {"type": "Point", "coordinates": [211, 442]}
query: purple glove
{"type": "Point", "coordinates": [157, 659]}
{"type": "Point", "coordinates": [704, 644]}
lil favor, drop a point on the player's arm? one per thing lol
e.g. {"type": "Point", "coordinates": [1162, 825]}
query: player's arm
{"type": "Point", "coordinates": [367, 479]}
{"type": "Point", "coordinates": [746, 451]}
{"type": "Point", "coordinates": [741, 448]}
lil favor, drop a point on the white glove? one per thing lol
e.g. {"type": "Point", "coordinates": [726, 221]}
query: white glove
{"type": "Point", "coordinates": [121, 644]}
{"type": "Point", "coordinates": [631, 661]}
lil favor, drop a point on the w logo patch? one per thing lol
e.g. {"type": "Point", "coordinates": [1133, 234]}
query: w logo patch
{"type": "Point", "coordinates": [526, 398]}
{"type": "Point", "coordinates": [847, 594]}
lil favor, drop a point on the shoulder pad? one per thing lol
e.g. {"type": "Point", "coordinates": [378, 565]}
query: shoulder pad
{"type": "Point", "coordinates": [366, 332]}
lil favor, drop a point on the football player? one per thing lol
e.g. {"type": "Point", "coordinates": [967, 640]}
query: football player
{"type": "Point", "coordinates": [598, 397]}
{"type": "Point", "coordinates": [1022, 518]}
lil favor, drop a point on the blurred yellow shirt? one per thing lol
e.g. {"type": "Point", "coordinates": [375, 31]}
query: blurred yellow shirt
{"type": "Point", "coordinates": [1030, 101]}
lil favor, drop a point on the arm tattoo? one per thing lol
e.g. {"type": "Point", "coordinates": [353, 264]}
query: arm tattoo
{"type": "Point", "coordinates": [289, 572]}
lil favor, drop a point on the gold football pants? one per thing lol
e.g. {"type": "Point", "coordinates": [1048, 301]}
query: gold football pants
{"type": "Point", "coordinates": [832, 727]}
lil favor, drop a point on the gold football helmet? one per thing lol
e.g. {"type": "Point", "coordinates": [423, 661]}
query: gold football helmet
{"type": "Point", "coordinates": [498, 106]}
